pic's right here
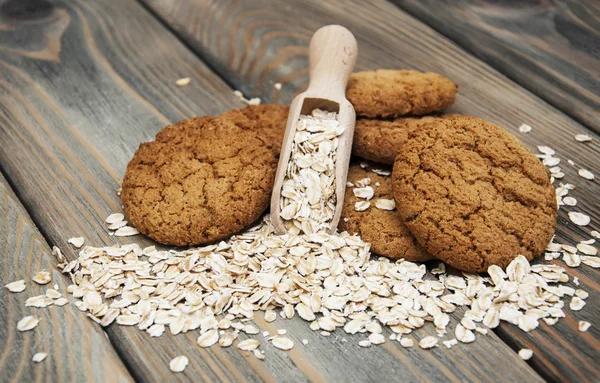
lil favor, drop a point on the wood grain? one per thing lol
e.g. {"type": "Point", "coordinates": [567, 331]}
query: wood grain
{"type": "Point", "coordinates": [550, 47]}
{"type": "Point", "coordinates": [254, 44]}
{"type": "Point", "coordinates": [77, 348]}
{"type": "Point", "coordinates": [83, 84]}
{"type": "Point", "coordinates": [76, 103]}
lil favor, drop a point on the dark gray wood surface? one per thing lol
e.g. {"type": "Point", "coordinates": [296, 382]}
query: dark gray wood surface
{"type": "Point", "coordinates": [85, 83]}
{"type": "Point", "coordinates": [254, 44]}
{"type": "Point", "coordinates": [550, 47]}
{"type": "Point", "coordinates": [77, 348]}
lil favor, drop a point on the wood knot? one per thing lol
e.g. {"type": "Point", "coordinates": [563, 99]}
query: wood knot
{"type": "Point", "coordinates": [25, 10]}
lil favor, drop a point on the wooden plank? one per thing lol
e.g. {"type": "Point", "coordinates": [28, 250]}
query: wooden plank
{"type": "Point", "coordinates": [81, 89]}
{"type": "Point", "coordinates": [77, 348]}
{"type": "Point", "coordinates": [548, 47]}
{"type": "Point", "coordinates": [256, 44]}
{"type": "Point", "coordinates": [79, 95]}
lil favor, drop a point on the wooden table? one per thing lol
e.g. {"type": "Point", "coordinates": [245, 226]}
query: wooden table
{"type": "Point", "coordinates": [84, 82]}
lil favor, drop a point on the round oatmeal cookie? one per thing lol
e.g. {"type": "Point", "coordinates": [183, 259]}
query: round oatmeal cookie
{"type": "Point", "coordinates": [472, 195]}
{"type": "Point", "coordinates": [379, 140]}
{"type": "Point", "coordinates": [382, 228]}
{"type": "Point", "coordinates": [268, 119]}
{"type": "Point", "coordinates": [201, 180]}
{"type": "Point", "coordinates": [394, 93]}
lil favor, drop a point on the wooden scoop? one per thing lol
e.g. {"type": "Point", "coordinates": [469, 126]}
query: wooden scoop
{"type": "Point", "coordinates": [332, 54]}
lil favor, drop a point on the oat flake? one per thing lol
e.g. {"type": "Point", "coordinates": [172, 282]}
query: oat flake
{"type": "Point", "coordinates": [584, 326]}
{"type": "Point", "coordinates": [183, 81]}
{"type": "Point", "coordinates": [27, 323]}
{"type": "Point", "coordinates": [583, 138]}
{"type": "Point", "coordinates": [77, 241]}
{"type": "Point", "coordinates": [282, 343]}
{"type": "Point", "coordinates": [525, 353]}
{"type": "Point", "coordinates": [126, 231]}
{"type": "Point", "coordinates": [524, 128]}
{"type": "Point", "coordinates": [39, 357]}
{"type": "Point", "coordinates": [428, 342]}
{"type": "Point", "coordinates": [579, 219]}
{"type": "Point", "coordinates": [16, 286]}
{"type": "Point", "coordinates": [248, 345]}
{"type": "Point", "coordinates": [178, 364]}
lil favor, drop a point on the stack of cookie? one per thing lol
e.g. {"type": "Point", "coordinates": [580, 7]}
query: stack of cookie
{"type": "Point", "coordinates": [461, 190]}
{"type": "Point", "coordinates": [465, 190]}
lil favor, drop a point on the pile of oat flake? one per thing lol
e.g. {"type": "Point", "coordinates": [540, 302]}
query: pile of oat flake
{"type": "Point", "coordinates": [331, 281]}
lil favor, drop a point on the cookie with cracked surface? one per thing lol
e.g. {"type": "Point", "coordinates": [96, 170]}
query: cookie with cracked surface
{"type": "Point", "coordinates": [393, 93]}
{"type": "Point", "coordinates": [473, 195]}
{"type": "Point", "coordinates": [382, 228]}
{"type": "Point", "coordinates": [201, 180]}
{"type": "Point", "coordinates": [267, 119]}
{"type": "Point", "coordinates": [379, 140]}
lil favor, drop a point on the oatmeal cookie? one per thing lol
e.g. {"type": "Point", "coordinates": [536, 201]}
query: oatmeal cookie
{"type": "Point", "coordinates": [472, 195]}
{"type": "Point", "coordinates": [382, 228]}
{"type": "Point", "coordinates": [394, 93]}
{"type": "Point", "coordinates": [201, 180]}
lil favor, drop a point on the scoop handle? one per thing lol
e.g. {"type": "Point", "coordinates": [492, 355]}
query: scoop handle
{"type": "Point", "coordinates": [331, 56]}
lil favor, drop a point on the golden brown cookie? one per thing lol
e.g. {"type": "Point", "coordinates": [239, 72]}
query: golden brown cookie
{"type": "Point", "coordinates": [472, 195]}
{"type": "Point", "coordinates": [379, 140]}
{"type": "Point", "coordinates": [201, 180]}
{"type": "Point", "coordinates": [267, 119]}
{"type": "Point", "coordinates": [393, 93]}
{"type": "Point", "coordinates": [382, 228]}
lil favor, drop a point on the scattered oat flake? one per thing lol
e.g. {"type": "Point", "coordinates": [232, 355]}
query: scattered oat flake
{"type": "Point", "coordinates": [576, 304]}
{"type": "Point", "coordinates": [385, 204]}
{"type": "Point", "coordinates": [551, 161]}
{"type": "Point", "coordinates": [281, 331]}
{"type": "Point", "coordinates": [16, 286]}
{"type": "Point", "coordinates": [579, 219]}
{"type": "Point", "coordinates": [366, 192]}
{"type": "Point", "coordinates": [77, 241]}
{"type": "Point", "coordinates": [304, 341]}
{"type": "Point", "coordinates": [61, 302]}
{"type": "Point", "coordinates": [524, 128]}
{"type": "Point", "coordinates": [183, 81]}
{"type": "Point", "coordinates": [39, 301]}
{"type": "Point", "coordinates": [208, 338]}
{"type": "Point", "coordinates": [42, 277]}
{"type": "Point", "coordinates": [27, 323]}
{"type": "Point", "coordinates": [591, 261]}
{"type": "Point", "coordinates": [114, 218]}
{"type": "Point", "coordinates": [39, 357]}
{"type": "Point", "coordinates": [584, 326]}
{"type": "Point", "coordinates": [587, 249]}
{"type": "Point", "coordinates": [595, 234]}
{"type": "Point", "coordinates": [406, 342]}
{"type": "Point", "coordinates": [248, 345]}
{"type": "Point", "coordinates": [178, 364]}
{"type": "Point", "coordinates": [583, 137]}
{"type": "Point", "coordinates": [53, 294]}
{"type": "Point", "coordinates": [128, 319]}
{"type": "Point", "coordinates": [270, 316]}
{"type": "Point", "coordinates": [428, 342]}
{"type": "Point", "coordinates": [364, 343]}
{"type": "Point", "coordinates": [277, 86]}
{"type": "Point", "coordinates": [450, 343]}
{"type": "Point", "coordinates": [464, 335]}
{"type": "Point", "coordinates": [525, 353]}
{"type": "Point", "coordinates": [126, 231]}
{"type": "Point", "coordinates": [376, 338]}
{"type": "Point", "coordinates": [282, 343]}
{"type": "Point", "coordinates": [117, 225]}
{"type": "Point", "coordinates": [569, 201]}
{"type": "Point", "coordinates": [362, 205]}
{"type": "Point", "coordinates": [586, 174]}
